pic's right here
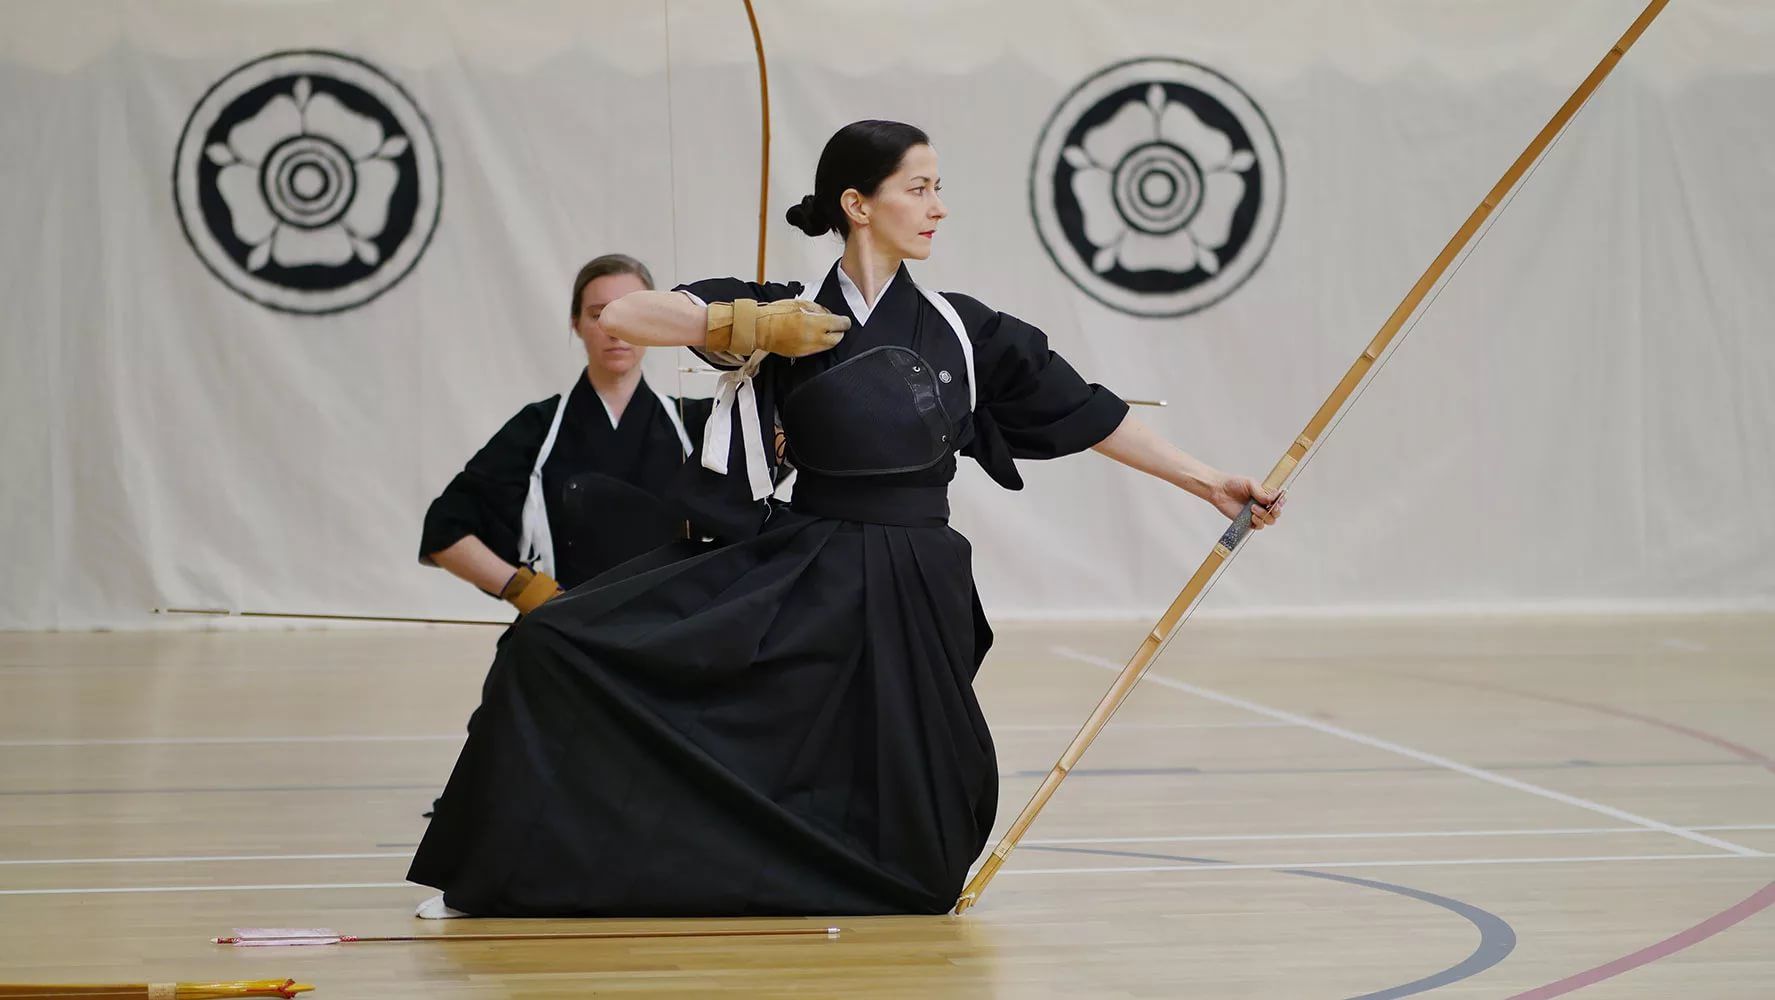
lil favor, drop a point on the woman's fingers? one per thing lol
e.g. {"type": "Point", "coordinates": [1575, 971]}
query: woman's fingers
{"type": "Point", "coordinates": [1266, 504]}
{"type": "Point", "coordinates": [1262, 515]}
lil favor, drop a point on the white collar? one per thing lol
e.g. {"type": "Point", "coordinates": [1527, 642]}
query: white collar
{"type": "Point", "coordinates": [853, 296]}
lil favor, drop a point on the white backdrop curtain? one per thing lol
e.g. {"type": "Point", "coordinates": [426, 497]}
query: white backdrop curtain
{"type": "Point", "coordinates": [1580, 423]}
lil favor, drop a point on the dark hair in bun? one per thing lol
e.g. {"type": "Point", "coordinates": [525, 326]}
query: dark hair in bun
{"type": "Point", "coordinates": [860, 155]}
{"type": "Point", "coordinates": [802, 216]}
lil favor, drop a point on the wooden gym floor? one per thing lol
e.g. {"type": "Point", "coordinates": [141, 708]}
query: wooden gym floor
{"type": "Point", "coordinates": [1469, 808]}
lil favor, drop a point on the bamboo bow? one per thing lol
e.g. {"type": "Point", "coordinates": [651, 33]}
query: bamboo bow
{"type": "Point", "coordinates": [763, 161]}
{"type": "Point", "coordinates": [763, 138]}
{"type": "Point", "coordinates": [1180, 607]}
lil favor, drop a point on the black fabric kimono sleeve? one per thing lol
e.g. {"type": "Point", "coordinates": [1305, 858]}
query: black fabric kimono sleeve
{"type": "Point", "coordinates": [486, 499]}
{"type": "Point", "coordinates": [1030, 403]}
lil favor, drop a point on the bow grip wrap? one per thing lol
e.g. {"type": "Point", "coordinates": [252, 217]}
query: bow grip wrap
{"type": "Point", "coordinates": [1241, 526]}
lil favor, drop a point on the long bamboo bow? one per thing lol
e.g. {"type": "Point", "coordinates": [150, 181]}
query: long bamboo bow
{"type": "Point", "coordinates": [763, 138]}
{"type": "Point", "coordinates": [729, 389]}
{"type": "Point", "coordinates": [1186, 599]}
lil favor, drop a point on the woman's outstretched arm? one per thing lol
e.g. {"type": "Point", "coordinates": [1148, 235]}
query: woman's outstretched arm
{"type": "Point", "coordinates": [790, 327]}
{"type": "Point", "coordinates": [657, 319]}
{"type": "Point", "coordinates": [1138, 446]}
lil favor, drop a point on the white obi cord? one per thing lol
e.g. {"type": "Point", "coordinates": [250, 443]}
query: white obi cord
{"type": "Point", "coordinates": [536, 544]}
{"type": "Point", "coordinates": [735, 387]}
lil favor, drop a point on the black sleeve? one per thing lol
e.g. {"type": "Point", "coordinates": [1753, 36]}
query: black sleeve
{"type": "Point", "coordinates": [486, 499]}
{"type": "Point", "coordinates": [1030, 403]}
{"type": "Point", "coordinates": [695, 414]}
{"type": "Point", "coordinates": [727, 290]}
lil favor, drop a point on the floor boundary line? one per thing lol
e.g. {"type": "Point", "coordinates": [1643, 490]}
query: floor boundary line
{"type": "Point", "coordinates": [1420, 755]}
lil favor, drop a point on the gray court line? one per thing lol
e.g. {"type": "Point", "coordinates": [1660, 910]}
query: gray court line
{"type": "Point", "coordinates": [146, 741]}
{"type": "Point", "coordinates": [1098, 870]}
{"type": "Point", "coordinates": [1083, 772]}
{"type": "Point", "coordinates": [384, 847]}
{"type": "Point", "coordinates": [1496, 937]}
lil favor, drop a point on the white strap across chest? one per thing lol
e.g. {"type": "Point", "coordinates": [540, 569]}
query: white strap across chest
{"type": "Point", "coordinates": [948, 312]}
{"type": "Point", "coordinates": [536, 543]}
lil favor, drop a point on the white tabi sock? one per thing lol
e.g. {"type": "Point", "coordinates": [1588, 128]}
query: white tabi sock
{"type": "Point", "coordinates": [434, 909]}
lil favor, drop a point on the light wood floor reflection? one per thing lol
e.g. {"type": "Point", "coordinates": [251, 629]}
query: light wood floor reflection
{"type": "Point", "coordinates": [1469, 808]}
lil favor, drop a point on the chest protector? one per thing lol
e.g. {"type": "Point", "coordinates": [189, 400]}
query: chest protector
{"type": "Point", "coordinates": [877, 413]}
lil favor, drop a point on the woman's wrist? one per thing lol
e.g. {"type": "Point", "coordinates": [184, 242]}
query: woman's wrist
{"type": "Point", "coordinates": [1198, 479]}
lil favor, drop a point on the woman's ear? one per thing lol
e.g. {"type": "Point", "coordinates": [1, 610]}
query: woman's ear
{"type": "Point", "coordinates": [854, 206]}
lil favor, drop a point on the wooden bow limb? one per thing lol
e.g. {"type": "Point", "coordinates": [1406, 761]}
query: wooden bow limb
{"type": "Point", "coordinates": [285, 988]}
{"type": "Point", "coordinates": [763, 137]}
{"type": "Point", "coordinates": [1180, 607]}
{"type": "Point", "coordinates": [763, 165]}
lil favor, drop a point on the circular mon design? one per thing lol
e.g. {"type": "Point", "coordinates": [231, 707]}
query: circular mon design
{"type": "Point", "coordinates": [308, 181]}
{"type": "Point", "coordinates": [1156, 186]}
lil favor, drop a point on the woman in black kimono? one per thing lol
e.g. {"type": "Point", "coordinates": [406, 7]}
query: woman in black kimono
{"type": "Point", "coordinates": [787, 724]}
{"type": "Point", "coordinates": [574, 484]}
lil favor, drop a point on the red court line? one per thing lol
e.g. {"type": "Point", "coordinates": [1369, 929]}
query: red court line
{"type": "Point", "coordinates": [1737, 749]}
{"type": "Point", "coordinates": [1758, 901]}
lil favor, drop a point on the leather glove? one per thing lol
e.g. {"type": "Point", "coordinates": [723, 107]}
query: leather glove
{"type": "Point", "coordinates": [793, 328]}
{"type": "Point", "coordinates": [528, 590]}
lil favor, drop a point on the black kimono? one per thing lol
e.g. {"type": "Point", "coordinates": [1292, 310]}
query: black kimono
{"type": "Point", "coordinates": [785, 724]}
{"type": "Point", "coordinates": [604, 487]}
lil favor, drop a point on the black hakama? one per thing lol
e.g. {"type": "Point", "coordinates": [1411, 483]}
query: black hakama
{"type": "Point", "coordinates": [785, 724]}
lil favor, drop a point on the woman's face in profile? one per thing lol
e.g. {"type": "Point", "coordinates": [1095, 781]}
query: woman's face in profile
{"type": "Point", "coordinates": [602, 350]}
{"type": "Point", "coordinates": [905, 210]}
